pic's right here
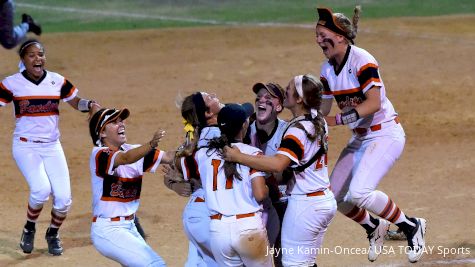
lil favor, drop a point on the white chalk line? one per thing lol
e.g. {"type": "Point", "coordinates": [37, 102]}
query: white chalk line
{"type": "Point", "coordinates": [231, 23]}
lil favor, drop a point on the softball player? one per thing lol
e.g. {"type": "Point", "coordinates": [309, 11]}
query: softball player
{"type": "Point", "coordinates": [311, 205]}
{"type": "Point", "coordinates": [116, 170]}
{"type": "Point", "coordinates": [10, 35]}
{"type": "Point", "coordinates": [233, 192]}
{"type": "Point", "coordinates": [266, 133]}
{"type": "Point", "coordinates": [37, 150]}
{"type": "Point", "coordinates": [199, 111]}
{"type": "Point", "coordinates": [351, 76]}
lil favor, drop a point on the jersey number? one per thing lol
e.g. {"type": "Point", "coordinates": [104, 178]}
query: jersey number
{"type": "Point", "coordinates": [229, 182]}
{"type": "Point", "coordinates": [321, 161]}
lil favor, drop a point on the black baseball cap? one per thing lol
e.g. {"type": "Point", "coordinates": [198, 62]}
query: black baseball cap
{"type": "Point", "coordinates": [327, 20]}
{"type": "Point", "coordinates": [103, 117]}
{"type": "Point", "coordinates": [232, 116]}
{"type": "Point", "coordinates": [274, 90]}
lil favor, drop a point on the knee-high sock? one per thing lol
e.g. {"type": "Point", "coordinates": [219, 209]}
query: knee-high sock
{"type": "Point", "coordinates": [359, 215]}
{"type": "Point", "coordinates": [57, 219]}
{"type": "Point", "coordinates": [33, 213]}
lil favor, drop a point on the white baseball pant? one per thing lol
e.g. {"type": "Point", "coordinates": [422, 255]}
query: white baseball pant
{"type": "Point", "coordinates": [305, 222]}
{"type": "Point", "coordinates": [121, 242]}
{"type": "Point", "coordinates": [45, 169]}
{"type": "Point", "coordinates": [235, 242]}
{"type": "Point", "coordinates": [362, 165]}
{"type": "Point", "coordinates": [196, 225]}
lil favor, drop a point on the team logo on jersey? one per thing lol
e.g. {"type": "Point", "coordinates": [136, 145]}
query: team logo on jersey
{"type": "Point", "coordinates": [120, 191]}
{"type": "Point", "coordinates": [36, 106]}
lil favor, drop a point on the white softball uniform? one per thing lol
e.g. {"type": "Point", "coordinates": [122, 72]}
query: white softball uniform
{"type": "Point", "coordinates": [115, 199]}
{"type": "Point", "coordinates": [269, 147]}
{"type": "Point", "coordinates": [238, 234]}
{"type": "Point", "coordinates": [36, 147]}
{"type": "Point", "coordinates": [311, 205]}
{"type": "Point", "coordinates": [196, 216]}
{"type": "Point", "coordinates": [377, 141]}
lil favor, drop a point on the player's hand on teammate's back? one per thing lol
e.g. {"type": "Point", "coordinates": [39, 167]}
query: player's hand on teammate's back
{"type": "Point", "coordinates": [231, 153]}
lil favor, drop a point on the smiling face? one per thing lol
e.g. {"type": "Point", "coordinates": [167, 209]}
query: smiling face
{"type": "Point", "coordinates": [291, 98]}
{"type": "Point", "coordinates": [113, 134]}
{"type": "Point", "coordinates": [329, 42]}
{"type": "Point", "coordinates": [213, 106]}
{"type": "Point", "coordinates": [34, 59]}
{"type": "Point", "coordinates": [267, 106]}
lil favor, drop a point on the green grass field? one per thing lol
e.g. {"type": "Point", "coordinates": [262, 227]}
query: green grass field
{"type": "Point", "coordinates": [97, 15]}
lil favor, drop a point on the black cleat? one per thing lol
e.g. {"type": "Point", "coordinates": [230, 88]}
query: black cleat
{"type": "Point", "coordinates": [33, 26]}
{"type": "Point", "coordinates": [27, 240]}
{"type": "Point", "coordinates": [54, 244]}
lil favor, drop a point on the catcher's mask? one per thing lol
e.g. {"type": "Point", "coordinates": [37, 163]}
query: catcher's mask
{"type": "Point", "coordinates": [327, 20]}
{"type": "Point", "coordinates": [103, 117]}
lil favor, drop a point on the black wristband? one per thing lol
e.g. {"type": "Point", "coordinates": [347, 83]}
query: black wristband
{"type": "Point", "coordinates": [350, 116]}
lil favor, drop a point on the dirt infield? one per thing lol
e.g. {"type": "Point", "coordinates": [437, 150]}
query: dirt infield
{"type": "Point", "coordinates": [426, 63]}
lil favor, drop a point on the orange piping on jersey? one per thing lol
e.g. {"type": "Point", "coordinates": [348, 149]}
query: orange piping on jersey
{"type": "Point", "coordinates": [289, 151]}
{"type": "Point", "coordinates": [348, 91]}
{"type": "Point", "coordinates": [48, 97]}
{"type": "Point", "coordinates": [155, 157]}
{"type": "Point", "coordinates": [37, 114]}
{"type": "Point", "coordinates": [108, 162]}
{"type": "Point", "coordinates": [132, 179]}
{"type": "Point", "coordinates": [296, 141]}
{"type": "Point", "coordinates": [371, 80]}
{"type": "Point", "coordinates": [369, 65]}
{"type": "Point", "coordinates": [70, 92]}
{"type": "Point", "coordinates": [4, 88]}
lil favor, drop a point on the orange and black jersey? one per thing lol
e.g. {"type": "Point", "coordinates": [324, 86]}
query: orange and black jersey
{"type": "Point", "coordinates": [358, 73]}
{"type": "Point", "coordinates": [116, 191]}
{"type": "Point", "coordinates": [36, 103]}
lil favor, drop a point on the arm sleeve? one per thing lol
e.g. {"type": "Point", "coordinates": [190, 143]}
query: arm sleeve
{"type": "Point", "coordinates": [368, 72]}
{"type": "Point", "coordinates": [68, 91]}
{"type": "Point", "coordinates": [105, 162]}
{"type": "Point", "coordinates": [327, 93]}
{"type": "Point", "coordinates": [189, 167]}
{"type": "Point", "coordinates": [152, 160]}
{"type": "Point", "coordinates": [6, 96]}
{"type": "Point", "coordinates": [291, 146]}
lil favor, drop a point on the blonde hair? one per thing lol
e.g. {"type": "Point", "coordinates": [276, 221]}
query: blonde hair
{"type": "Point", "coordinates": [344, 23]}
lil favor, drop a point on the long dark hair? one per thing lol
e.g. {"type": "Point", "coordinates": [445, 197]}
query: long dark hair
{"type": "Point", "coordinates": [191, 114]}
{"type": "Point", "coordinates": [218, 143]}
{"type": "Point", "coordinates": [312, 99]}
